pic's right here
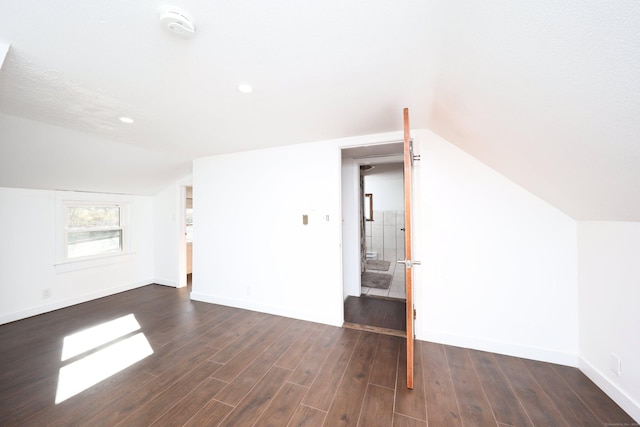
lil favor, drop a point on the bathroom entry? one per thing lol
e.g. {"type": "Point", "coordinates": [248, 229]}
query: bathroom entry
{"type": "Point", "coordinates": [383, 229]}
{"type": "Point", "coordinates": [189, 231]}
{"type": "Point", "coordinates": [380, 303]}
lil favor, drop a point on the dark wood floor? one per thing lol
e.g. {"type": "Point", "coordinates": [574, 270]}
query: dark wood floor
{"type": "Point", "coordinates": [374, 311]}
{"type": "Point", "coordinates": [214, 365]}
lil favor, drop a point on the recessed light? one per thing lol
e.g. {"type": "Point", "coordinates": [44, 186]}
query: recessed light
{"type": "Point", "coordinates": [125, 119]}
{"type": "Point", "coordinates": [245, 88]}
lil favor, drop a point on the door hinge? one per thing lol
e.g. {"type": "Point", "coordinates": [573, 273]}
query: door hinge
{"type": "Point", "coordinates": [414, 314]}
{"type": "Point", "coordinates": [416, 157]}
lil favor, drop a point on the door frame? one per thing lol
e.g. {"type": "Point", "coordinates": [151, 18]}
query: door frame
{"type": "Point", "coordinates": [408, 238]}
{"type": "Point", "coordinates": [349, 254]}
{"type": "Point", "coordinates": [182, 240]}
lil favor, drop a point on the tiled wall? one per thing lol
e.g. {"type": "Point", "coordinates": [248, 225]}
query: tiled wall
{"type": "Point", "coordinates": [384, 235]}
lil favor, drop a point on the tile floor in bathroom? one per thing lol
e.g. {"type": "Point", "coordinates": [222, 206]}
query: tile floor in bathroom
{"type": "Point", "coordinates": [397, 288]}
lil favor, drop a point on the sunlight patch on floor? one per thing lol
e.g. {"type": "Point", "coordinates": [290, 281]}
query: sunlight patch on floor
{"type": "Point", "coordinates": [84, 373]}
{"type": "Point", "coordinates": [96, 336]}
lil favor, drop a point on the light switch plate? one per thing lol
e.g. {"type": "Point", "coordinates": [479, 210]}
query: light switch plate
{"type": "Point", "coordinates": [615, 364]}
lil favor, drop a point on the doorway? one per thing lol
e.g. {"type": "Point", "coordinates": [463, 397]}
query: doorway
{"type": "Point", "coordinates": [188, 232]}
{"type": "Point", "coordinates": [383, 243]}
{"type": "Point", "coordinates": [377, 301]}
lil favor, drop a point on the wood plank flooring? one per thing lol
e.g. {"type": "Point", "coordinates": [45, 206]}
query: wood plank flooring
{"type": "Point", "coordinates": [385, 313]}
{"type": "Point", "coordinates": [213, 365]}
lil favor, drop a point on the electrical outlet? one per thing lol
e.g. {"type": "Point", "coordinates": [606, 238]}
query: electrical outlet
{"type": "Point", "coordinates": [46, 293]}
{"type": "Point", "coordinates": [615, 364]}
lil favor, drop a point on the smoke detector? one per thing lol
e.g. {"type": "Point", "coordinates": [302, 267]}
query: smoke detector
{"type": "Point", "coordinates": [177, 23]}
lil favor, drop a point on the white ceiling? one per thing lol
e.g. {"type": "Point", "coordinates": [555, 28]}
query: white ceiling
{"type": "Point", "coordinates": [546, 92]}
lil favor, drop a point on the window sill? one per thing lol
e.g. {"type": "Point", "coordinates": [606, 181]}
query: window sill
{"type": "Point", "coordinates": [88, 263]}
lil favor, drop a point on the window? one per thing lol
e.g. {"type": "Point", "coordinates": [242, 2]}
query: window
{"type": "Point", "coordinates": [92, 230]}
{"type": "Point", "coordinates": [368, 207]}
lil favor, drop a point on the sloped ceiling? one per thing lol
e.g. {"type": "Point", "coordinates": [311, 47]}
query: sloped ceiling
{"type": "Point", "coordinates": [546, 92]}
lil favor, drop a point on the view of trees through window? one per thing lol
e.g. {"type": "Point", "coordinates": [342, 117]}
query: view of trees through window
{"type": "Point", "coordinates": [93, 230]}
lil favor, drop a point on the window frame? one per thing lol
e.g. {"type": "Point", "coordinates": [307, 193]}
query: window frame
{"type": "Point", "coordinates": [68, 230]}
{"type": "Point", "coordinates": [64, 202]}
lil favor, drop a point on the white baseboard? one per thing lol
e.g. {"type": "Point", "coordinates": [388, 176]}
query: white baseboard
{"type": "Point", "coordinates": [67, 302]}
{"type": "Point", "coordinates": [509, 349]}
{"type": "Point", "coordinates": [270, 309]}
{"type": "Point", "coordinates": [618, 395]}
{"type": "Point", "coordinates": [166, 282]}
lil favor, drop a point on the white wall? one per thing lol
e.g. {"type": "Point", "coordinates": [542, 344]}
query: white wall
{"type": "Point", "coordinates": [609, 301]}
{"type": "Point", "coordinates": [27, 256]}
{"type": "Point", "coordinates": [251, 248]}
{"type": "Point", "coordinates": [386, 183]}
{"type": "Point", "coordinates": [170, 245]}
{"type": "Point", "coordinates": [499, 265]}
{"type": "Point", "coordinates": [350, 227]}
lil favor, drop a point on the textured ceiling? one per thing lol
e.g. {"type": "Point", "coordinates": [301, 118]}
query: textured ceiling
{"type": "Point", "coordinates": [547, 93]}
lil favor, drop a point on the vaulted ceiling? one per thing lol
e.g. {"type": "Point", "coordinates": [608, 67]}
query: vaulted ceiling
{"type": "Point", "coordinates": [545, 92]}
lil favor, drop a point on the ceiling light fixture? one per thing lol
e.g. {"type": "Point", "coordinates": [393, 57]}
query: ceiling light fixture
{"type": "Point", "coordinates": [125, 119]}
{"type": "Point", "coordinates": [177, 22]}
{"type": "Point", "coordinates": [245, 88]}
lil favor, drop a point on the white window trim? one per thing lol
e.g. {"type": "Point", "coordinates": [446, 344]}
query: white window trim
{"type": "Point", "coordinates": [65, 199]}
